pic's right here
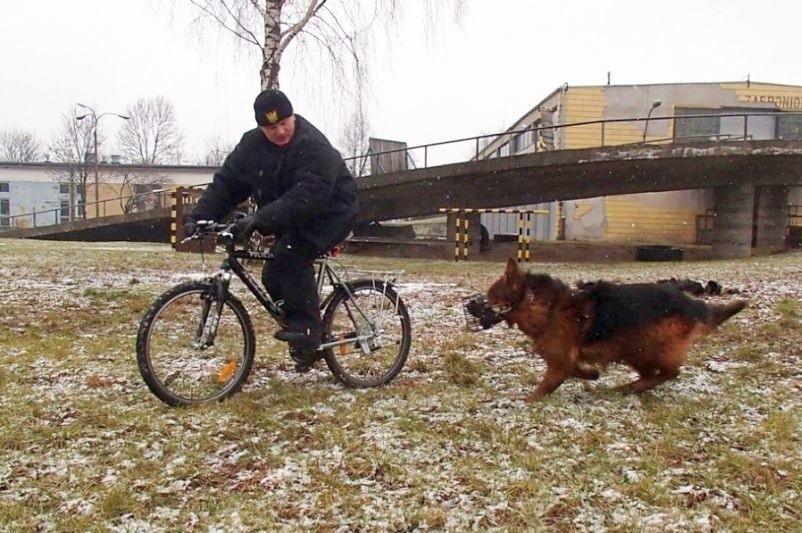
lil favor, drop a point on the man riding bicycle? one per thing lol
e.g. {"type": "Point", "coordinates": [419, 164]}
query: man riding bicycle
{"type": "Point", "coordinates": [305, 197]}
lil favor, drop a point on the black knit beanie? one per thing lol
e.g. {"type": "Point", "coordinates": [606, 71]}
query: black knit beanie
{"type": "Point", "coordinates": [271, 106]}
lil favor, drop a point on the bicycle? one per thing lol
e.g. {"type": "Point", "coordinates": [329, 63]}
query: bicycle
{"type": "Point", "coordinates": [196, 342]}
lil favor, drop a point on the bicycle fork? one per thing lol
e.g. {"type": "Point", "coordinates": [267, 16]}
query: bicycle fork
{"type": "Point", "coordinates": [207, 325]}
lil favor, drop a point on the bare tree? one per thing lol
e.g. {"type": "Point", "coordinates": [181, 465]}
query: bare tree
{"type": "Point", "coordinates": [151, 135]}
{"type": "Point", "coordinates": [216, 152]}
{"type": "Point", "coordinates": [140, 190]}
{"type": "Point", "coordinates": [18, 145]}
{"type": "Point", "coordinates": [339, 33]}
{"type": "Point", "coordinates": [355, 143]}
{"type": "Point", "coordinates": [73, 146]}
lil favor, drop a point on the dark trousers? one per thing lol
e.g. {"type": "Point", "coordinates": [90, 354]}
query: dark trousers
{"type": "Point", "coordinates": [290, 276]}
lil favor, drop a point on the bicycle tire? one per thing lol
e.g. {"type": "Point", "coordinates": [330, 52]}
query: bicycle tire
{"type": "Point", "coordinates": [174, 364]}
{"type": "Point", "coordinates": [377, 360]}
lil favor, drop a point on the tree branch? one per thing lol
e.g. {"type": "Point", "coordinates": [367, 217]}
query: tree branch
{"type": "Point", "coordinates": [311, 11]}
{"type": "Point", "coordinates": [247, 36]}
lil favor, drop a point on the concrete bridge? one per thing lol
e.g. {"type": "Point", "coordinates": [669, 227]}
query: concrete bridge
{"type": "Point", "coordinates": [735, 170]}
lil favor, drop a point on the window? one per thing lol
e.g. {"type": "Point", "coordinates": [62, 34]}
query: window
{"type": "Point", "coordinates": [5, 211]}
{"type": "Point", "coordinates": [64, 188]}
{"type": "Point", "coordinates": [65, 209]}
{"type": "Point", "coordinates": [3, 186]}
{"type": "Point", "coordinates": [698, 128]}
{"type": "Point", "coordinates": [504, 150]}
{"type": "Point", "coordinates": [789, 127]}
{"type": "Point", "coordinates": [522, 140]}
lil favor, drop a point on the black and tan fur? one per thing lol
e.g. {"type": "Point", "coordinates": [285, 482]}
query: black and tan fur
{"type": "Point", "coordinates": [648, 326]}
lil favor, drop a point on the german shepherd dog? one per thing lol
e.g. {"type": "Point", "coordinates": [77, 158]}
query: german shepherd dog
{"type": "Point", "coordinates": [648, 326]}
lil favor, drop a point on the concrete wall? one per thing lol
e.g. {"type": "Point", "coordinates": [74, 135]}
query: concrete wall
{"type": "Point", "coordinates": [658, 218]}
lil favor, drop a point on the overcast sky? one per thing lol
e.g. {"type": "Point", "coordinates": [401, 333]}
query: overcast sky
{"type": "Point", "coordinates": [468, 78]}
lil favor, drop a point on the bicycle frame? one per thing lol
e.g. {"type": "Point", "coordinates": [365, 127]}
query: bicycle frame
{"type": "Point", "coordinates": [231, 263]}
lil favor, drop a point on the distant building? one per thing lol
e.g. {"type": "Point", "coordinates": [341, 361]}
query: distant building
{"type": "Point", "coordinates": [680, 217]}
{"type": "Point", "coordinates": [58, 192]}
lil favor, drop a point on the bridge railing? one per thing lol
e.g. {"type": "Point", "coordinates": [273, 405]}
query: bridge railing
{"type": "Point", "coordinates": [474, 147]}
{"type": "Point", "coordinates": [420, 156]}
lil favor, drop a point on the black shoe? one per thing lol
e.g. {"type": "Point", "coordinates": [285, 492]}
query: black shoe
{"type": "Point", "coordinates": [305, 359]}
{"type": "Point", "coordinates": [297, 339]}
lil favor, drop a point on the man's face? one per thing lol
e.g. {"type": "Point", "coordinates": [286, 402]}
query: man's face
{"type": "Point", "coordinates": [281, 132]}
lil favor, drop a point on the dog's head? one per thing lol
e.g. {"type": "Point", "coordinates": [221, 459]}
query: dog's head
{"type": "Point", "coordinates": [540, 293]}
{"type": "Point", "coordinates": [507, 291]}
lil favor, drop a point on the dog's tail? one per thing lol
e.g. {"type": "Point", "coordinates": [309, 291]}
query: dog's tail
{"type": "Point", "coordinates": [721, 312]}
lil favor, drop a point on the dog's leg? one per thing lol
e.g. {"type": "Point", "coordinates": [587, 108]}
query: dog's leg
{"type": "Point", "coordinates": [646, 382]}
{"type": "Point", "coordinates": [552, 379]}
{"type": "Point", "coordinates": [585, 371]}
{"type": "Point", "coordinates": [579, 368]}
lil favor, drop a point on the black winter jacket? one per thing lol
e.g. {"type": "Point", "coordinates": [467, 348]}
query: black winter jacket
{"type": "Point", "coordinates": [303, 187]}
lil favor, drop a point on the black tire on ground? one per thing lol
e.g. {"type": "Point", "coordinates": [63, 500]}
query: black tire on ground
{"type": "Point", "coordinates": [373, 310]}
{"type": "Point", "coordinates": [658, 253]}
{"type": "Point", "coordinates": [178, 369]}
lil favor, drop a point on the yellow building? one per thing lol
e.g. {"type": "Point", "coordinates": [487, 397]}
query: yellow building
{"type": "Point", "coordinates": [609, 115]}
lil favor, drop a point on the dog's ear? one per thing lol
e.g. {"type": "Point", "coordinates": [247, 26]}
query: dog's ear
{"type": "Point", "coordinates": [512, 272]}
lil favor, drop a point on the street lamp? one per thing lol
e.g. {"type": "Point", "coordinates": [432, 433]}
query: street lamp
{"type": "Point", "coordinates": [655, 105]}
{"type": "Point", "coordinates": [95, 119]}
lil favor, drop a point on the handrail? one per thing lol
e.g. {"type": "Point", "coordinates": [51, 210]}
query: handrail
{"type": "Point", "coordinates": [512, 133]}
{"type": "Point", "coordinates": [81, 208]}
{"type": "Point", "coordinates": [508, 133]}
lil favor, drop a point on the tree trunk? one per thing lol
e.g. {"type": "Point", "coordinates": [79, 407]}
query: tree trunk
{"type": "Point", "coordinates": [271, 52]}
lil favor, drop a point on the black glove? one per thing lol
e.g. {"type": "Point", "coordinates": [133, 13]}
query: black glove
{"type": "Point", "coordinates": [243, 228]}
{"type": "Point", "coordinates": [189, 228]}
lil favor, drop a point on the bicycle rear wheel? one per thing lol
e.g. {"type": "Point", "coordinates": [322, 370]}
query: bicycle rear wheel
{"type": "Point", "coordinates": [372, 314]}
{"type": "Point", "coordinates": [187, 353]}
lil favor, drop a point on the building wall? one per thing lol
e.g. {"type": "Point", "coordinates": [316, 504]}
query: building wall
{"type": "Point", "coordinates": [28, 196]}
{"type": "Point", "coordinates": [654, 217]}
{"type": "Point", "coordinates": [668, 217]}
{"type": "Point", "coordinates": [35, 187]}
{"type": "Point", "coordinates": [642, 218]}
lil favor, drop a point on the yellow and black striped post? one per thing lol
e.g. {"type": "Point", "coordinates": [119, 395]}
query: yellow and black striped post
{"type": "Point", "coordinates": [182, 202]}
{"type": "Point", "coordinates": [457, 228]}
{"type": "Point", "coordinates": [174, 219]}
{"type": "Point", "coordinates": [461, 225]}
{"type": "Point", "coordinates": [524, 235]}
{"type": "Point", "coordinates": [465, 240]}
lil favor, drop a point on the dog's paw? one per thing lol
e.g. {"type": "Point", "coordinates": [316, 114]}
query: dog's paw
{"type": "Point", "coordinates": [534, 397]}
{"type": "Point", "coordinates": [586, 371]}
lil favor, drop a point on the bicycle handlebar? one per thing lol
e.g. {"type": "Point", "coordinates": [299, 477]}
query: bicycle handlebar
{"type": "Point", "coordinates": [205, 228]}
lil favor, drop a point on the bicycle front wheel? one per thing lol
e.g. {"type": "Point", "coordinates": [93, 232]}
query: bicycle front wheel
{"type": "Point", "coordinates": [191, 349]}
{"type": "Point", "coordinates": [372, 314]}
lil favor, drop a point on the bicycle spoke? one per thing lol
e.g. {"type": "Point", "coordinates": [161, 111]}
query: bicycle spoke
{"type": "Point", "coordinates": [381, 336]}
{"type": "Point", "coordinates": [176, 357]}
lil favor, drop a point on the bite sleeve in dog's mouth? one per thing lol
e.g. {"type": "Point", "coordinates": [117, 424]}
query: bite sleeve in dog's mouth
{"type": "Point", "coordinates": [478, 314]}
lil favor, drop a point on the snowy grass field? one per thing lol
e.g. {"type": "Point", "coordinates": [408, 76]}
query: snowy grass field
{"type": "Point", "coordinates": [449, 445]}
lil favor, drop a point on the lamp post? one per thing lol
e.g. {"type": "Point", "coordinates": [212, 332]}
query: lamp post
{"type": "Point", "coordinates": [95, 119]}
{"type": "Point", "coordinates": [655, 105]}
